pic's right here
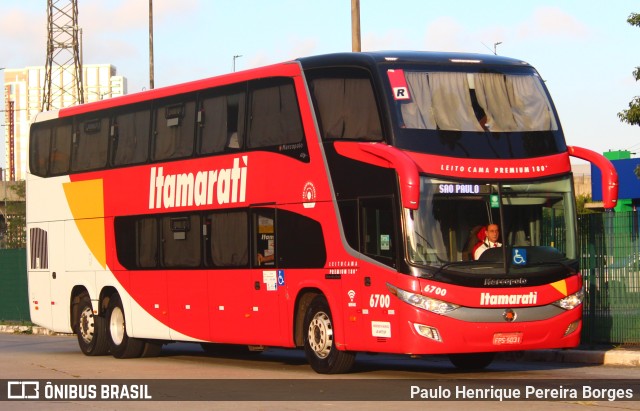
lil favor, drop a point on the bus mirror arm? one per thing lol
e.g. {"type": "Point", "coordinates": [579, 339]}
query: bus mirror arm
{"type": "Point", "coordinates": [383, 155]}
{"type": "Point", "coordinates": [608, 171]}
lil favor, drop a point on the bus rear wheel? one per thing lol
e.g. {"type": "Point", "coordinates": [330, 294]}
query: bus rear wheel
{"type": "Point", "coordinates": [474, 361]}
{"type": "Point", "coordinates": [319, 345]}
{"type": "Point", "coordinates": [120, 344]}
{"type": "Point", "coordinates": [91, 329]}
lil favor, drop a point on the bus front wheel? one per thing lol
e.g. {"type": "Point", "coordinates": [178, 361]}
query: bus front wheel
{"type": "Point", "coordinates": [120, 344]}
{"type": "Point", "coordinates": [319, 344]}
{"type": "Point", "coordinates": [91, 329]}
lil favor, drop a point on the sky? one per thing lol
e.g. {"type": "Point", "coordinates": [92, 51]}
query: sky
{"type": "Point", "coordinates": [584, 49]}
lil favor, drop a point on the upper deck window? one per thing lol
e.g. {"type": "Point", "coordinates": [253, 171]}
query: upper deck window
{"type": "Point", "coordinates": [274, 118]}
{"type": "Point", "coordinates": [493, 102]}
{"type": "Point", "coordinates": [345, 105]}
{"type": "Point", "coordinates": [174, 128]}
{"type": "Point", "coordinates": [131, 136]}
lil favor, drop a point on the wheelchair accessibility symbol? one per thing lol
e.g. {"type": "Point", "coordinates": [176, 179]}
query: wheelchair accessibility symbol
{"type": "Point", "coordinates": [519, 256]}
{"type": "Point", "coordinates": [280, 277]}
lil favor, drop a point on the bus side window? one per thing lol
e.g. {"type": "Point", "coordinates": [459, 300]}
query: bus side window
{"type": "Point", "coordinates": [221, 123]}
{"type": "Point", "coordinates": [227, 239]}
{"type": "Point", "coordinates": [130, 134]}
{"type": "Point", "coordinates": [91, 144]}
{"type": "Point", "coordinates": [174, 128]}
{"type": "Point", "coordinates": [347, 108]}
{"type": "Point", "coordinates": [181, 241]}
{"type": "Point", "coordinates": [274, 117]}
{"type": "Point", "coordinates": [264, 238]}
{"type": "Point", "coordinates": [61, 149]}
{"type": "Point", "coordinates": [136, 241]}
{"type": "Point", "coordinates": [300, 241]}
{"type": "Point", "coordinates": [146, 242]}
{"type": "Point", "coordinates": [40, 149]}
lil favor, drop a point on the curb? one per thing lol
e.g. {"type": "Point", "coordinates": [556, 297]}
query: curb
{"type": "Point", "coordinates": [615, 356]}
{"type": "Point", "coordinates": [27, 329]}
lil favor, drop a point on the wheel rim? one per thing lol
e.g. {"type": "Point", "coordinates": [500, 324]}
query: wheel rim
{"type": "Point", "coordinates": [320, 335]}
{"type": "Point", "coordinates": [116, 326]}
{"type": "Point", "coordinates": [86, 325]}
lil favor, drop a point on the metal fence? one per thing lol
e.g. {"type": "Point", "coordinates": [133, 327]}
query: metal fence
{"type": "Point", "coordinates": [14, 302]}
{"type": "Point", "coordinates": [610, 263]}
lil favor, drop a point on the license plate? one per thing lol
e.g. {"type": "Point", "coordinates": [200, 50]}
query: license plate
{"type": "Point", "coordinates": [507, 338]}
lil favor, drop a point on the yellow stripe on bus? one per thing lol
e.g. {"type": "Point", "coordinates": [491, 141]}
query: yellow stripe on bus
{"type": "Point", "coordinates": [561, 286]}
{"type": "Point", "coordinates": [86, 201]}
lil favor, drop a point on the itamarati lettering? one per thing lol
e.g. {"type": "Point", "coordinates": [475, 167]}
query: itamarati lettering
{"type": "Point", "coordinates": [509, 299]}
{"type": "Point", "coordinates": [223, 186]}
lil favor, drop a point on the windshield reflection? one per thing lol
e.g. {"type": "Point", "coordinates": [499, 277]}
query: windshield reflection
{"type": "Point", "coordinates": [453, 216]}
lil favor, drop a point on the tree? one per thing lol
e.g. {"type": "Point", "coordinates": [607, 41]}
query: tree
{"type": "Point", "coordinates": [16, 221]}
{"type": "Point", "coordinates": [581, 201]}
{"type": "Point", "coordinates": [632, 115]}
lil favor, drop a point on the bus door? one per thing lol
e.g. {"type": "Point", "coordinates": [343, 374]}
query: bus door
{"type": "Point", "coordinates": [378, 234]}
{"type": "Point", "coordinates": [268, 279]}
{"type": "Point", "coordinates": [39, 277]}
{"type": "Point", "coordinates": [61, 279]}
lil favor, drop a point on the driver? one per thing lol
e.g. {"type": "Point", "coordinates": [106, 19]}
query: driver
{"type": "Point", "coordinates": [488, 239]}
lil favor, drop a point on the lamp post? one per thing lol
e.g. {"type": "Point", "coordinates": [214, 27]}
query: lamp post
{"type": "Point", "coordinates": [237, 56]}
{"type": "Point", "coordinates": [495, 47]}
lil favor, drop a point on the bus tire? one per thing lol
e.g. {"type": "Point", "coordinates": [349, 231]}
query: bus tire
{"type": "Point", "coordinates": [120, 344]}
{"type": "Point", "coordinates": [91, 329]}
{"type": "Point", "coordinates": [319, 344]}
{"type": "Point", "coordinates": [474, 361]}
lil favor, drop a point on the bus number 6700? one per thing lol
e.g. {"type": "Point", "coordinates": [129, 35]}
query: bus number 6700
{"type": "Point", "coordinates": [432, 289]}
{"type": "Point", "coordinates": [379, 300]}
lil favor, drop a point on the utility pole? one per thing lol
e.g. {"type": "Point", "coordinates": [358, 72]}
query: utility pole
{"type": "Point", "coordinates": [151, 79]}
{"type": "Point", "coordinates": [355, 26]}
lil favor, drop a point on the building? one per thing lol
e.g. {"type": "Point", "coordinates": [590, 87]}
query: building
{"type": "Point", "coordinates": [628, 170]}
{"type": "Point", "coordinates": [582, 179]}
{"type": "Point", "coordinates": [12, 209]}
{"type": "Point", "coordinates": [24, 87]}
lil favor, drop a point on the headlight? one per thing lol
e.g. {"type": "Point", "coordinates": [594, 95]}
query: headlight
{"type": "Point", "coordinates": [571, 301]}
{"type": "Point", "coordinates": [420, 301]}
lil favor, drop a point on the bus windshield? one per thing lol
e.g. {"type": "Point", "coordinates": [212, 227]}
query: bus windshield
{"type": "Point", "coordinates": [453, 215]}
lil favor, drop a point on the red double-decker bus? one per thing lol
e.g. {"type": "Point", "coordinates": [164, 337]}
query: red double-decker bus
{"type": "Point", "coordinates": [335, 203]}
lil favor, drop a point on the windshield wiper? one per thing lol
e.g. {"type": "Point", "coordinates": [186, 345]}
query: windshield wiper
{"type": "Point", "coordinates": [454, 263]}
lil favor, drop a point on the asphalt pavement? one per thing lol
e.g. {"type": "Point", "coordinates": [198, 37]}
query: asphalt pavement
{"type": "Point", "coordinates": [603, 355]}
